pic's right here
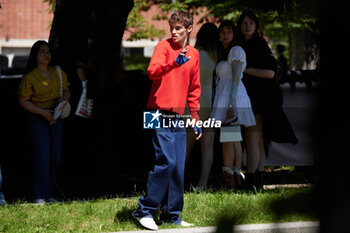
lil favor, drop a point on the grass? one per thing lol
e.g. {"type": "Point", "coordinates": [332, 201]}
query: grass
{"type": "Point", "coordinates": [206, 208]}
{"type": "Point", "coordinates": [137, 62]}
{"type": "Point", "coordinates": [280, 168]}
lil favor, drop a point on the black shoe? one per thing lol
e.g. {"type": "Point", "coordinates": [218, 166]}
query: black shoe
{"type": "Point", "coordinates": [259, 183]}
{"type": "Point", "coordinates": [249, 184]}
{"type": "Point", "coordinates": [228, 180]}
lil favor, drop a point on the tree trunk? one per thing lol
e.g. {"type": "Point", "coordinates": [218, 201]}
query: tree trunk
{"type": "Point", "coordinates": [304, 54]}
{"type": "Point", "coordinates": [90, 32]}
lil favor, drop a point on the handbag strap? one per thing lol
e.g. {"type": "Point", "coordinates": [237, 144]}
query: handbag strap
{"type": "Point", "coordinates": [59, 72]}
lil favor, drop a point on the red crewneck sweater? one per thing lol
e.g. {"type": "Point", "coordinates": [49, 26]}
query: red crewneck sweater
{"type": "Point", "coordinates": [173, 85]}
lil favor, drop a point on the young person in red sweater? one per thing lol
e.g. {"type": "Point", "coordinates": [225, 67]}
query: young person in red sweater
{"type": "Point", "coordinates": [174, 69]}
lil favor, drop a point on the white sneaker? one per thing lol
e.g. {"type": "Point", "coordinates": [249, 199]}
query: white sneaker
{"type": "Point", "coordinates": [185, 224]}
{"type": "Point", "coordinates": [40, 201]}
{"type": "Point", "coordinates": [2, 202]}
{"type": "Point", "coordinates": [148, 222]}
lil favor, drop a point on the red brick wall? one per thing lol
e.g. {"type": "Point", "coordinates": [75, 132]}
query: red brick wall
{"type": "Point", "coordinates": [30, 19]}
{"type": "Point", "coordinates": [24, 19]}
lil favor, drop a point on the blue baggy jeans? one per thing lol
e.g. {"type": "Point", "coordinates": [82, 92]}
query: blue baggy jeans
{"type": "Point", "coordinates": [165, 185]}
{"type": "Point", "coordinates": [46, 142]}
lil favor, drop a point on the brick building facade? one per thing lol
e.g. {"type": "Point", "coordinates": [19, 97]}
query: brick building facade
{"type": "Point", "coordinates": [22, 22]}
{"type": "Point", "coordinates": [24, 19]}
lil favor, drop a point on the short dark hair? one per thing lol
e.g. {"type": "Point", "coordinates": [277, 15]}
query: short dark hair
{"type": "Point", "coordinates": [280, 48]}
{"type": "Point", "coordinates": [183, 17]}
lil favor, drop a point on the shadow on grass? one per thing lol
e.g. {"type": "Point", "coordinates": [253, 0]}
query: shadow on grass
{"type": "Point", "coordinates": [124, 215]}
{"type": "Point", "coordinates": [226, 224]}
{"type": "Point", "coordinates": [300, 203]}
{"type": "Point", "coordinates": [303, 204]}
{"type": "Point", "coordinates": [124, 218]}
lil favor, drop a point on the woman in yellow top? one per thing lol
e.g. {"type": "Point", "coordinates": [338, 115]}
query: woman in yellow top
{"type": "Point", "coordinates": [39, 94]}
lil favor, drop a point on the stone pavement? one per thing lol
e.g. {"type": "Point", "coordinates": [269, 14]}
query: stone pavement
{"type": "Point", "coordinates": [289, 227]}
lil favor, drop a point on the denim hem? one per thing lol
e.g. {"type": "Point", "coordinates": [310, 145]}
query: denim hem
{"type": "Point", "coordinates": [138, 214]}
{"type": "Point", "coordinates": [174, 220]}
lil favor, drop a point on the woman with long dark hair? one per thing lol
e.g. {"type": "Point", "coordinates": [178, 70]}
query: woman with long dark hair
{"type": "Point", "coordinates": [237, 107]}
{"type": "Point", "coordinates": [227, 31]}
{"type": "Point", "coordinates": [39, 94]}
{"type": "Point", "coordinates": [258, 80]}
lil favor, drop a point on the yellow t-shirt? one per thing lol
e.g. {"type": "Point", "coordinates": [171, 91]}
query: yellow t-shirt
{"type": "Point", "coordinates": [43, 92]}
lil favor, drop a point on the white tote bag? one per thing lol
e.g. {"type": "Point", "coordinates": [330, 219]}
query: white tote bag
{"type": "Point", "coordinates": [230, 134]}
{"type": "Point", "coordinates": [85, 104]}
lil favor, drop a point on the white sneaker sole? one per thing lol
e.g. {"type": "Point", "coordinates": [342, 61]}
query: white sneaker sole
{"type": "Point", "coordinates": [148, 223]}
{"type": "Point", "coordinates": [186, 224]}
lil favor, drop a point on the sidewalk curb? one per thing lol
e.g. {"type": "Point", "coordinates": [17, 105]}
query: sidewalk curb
{"type": "Point", "coordinates": [289, 227]}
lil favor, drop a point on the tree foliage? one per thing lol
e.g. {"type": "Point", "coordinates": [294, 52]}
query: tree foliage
{"type": "Point", "coordinates": [138, 26]}
{"type": "Point", "coordinates": [277, 17]}
{"type": "Point", "coordinates": [52, 5]}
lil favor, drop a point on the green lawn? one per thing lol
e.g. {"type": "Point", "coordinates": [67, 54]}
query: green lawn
{"type": "Point", "coordinates": [203, 209]}
{"type": "Point", "coordinates": [137, 62]}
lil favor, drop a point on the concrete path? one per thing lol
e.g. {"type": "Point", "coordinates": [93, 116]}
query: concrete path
{"type": "Point", "coordinates": [300, 108]}
{"type": "Point", "coordinates": [290, 227]}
